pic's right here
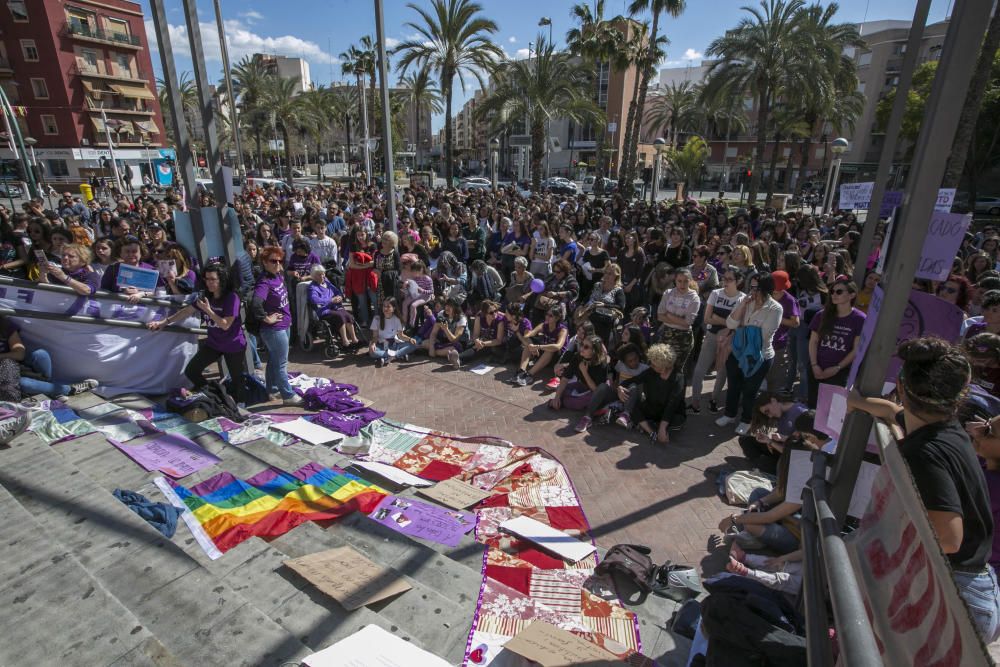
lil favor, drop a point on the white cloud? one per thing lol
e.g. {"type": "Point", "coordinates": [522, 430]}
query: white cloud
{"type": "Point", "coordinates": [251, 16]}
{"type": "Point", "coordinates": [512, 40]}
{"type": "Point", "coordinates": [689, 58]}
{"type": "Point", "coordinates": [692, 54]}
{"type": "Point", "coordinates": [521, 54]}
{"type": "Point", "coordinates": [242, 42]}
{"type": "Point", "coordinates": [392, 42]}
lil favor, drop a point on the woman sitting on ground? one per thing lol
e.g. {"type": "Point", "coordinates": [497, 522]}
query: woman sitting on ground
{"type": "Point", "coordinates": [220, 311]}
{"type": "Point", "coordinates": [450, 332]}
{"type": "Point", "coordinates": [327, 302]}
{"type": "Point", "coordinates": [773, 422]}
{"type": "Point", "coordinates": [654, 399]}
{"type": "Point", "coordinates": [628, 365]}
{"type": "Point", "coordinates": [36, 374]}
{"type": "Point", "coordinates": [547, 342]}
{"type": "Point", "coordinates": [582, 372]}
{"type": "Point", "coordinates": [489, 334]}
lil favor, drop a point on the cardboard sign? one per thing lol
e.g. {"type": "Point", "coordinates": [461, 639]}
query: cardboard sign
{"type": "Point", "coordinates": [348, 577]}
{"type": "Point", "coordinates": [547, 537]}
{"type": "Point", "coordinates": [141, 279]}
{"type": "Point", "coordinates": [455, 493]}
{"type": "Point", "coordinates": [550, 646]}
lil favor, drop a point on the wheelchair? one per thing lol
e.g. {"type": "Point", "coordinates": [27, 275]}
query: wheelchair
{"type": "Point", "coordinates": [312, 327]}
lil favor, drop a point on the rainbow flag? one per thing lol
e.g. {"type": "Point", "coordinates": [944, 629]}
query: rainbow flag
{"type": "Point", "coordinates": [273, 502]}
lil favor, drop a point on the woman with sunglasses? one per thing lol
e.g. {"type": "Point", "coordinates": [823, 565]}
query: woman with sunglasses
{"type": "Point", "coordinates": [932, 384]}
{"type": "Point", "coordinates": [746, 373]}
{"type": "Point", "coordinates": [721, 302]}
{"type": "Point", "coordinates": [955, 290]}
{"type": "Point", "coordinates": [582, 371]}
{"type": "Point", "coordinates": [271, 310]}
{"type": "Point", "coordinates": [833, 339]}
{"type": "Point", "coordinates": [74, 271]}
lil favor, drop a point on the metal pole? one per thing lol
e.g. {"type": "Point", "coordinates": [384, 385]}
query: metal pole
{"type": "Point", "coordinates": [390, 189]}
{"type": "Point", "coordinates": [364, 127]}
{"type": "Point", "coordinates": [654, 186]}
{"type": "Point", "coordinates": [233, 118]}
{"type": "Point", "coordinates": [111, 149]}
{"type": "Point", "coordinates": [18, 140]}
{"type": "Point", "coordinates": [891, 137]}
{"type": "Point", "coordinates": [958, 61]}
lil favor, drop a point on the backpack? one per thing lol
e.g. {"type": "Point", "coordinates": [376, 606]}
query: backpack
{"type": "Point", "coordinates": [254, 390]}
{"type": "Point", "coordinates": [748, 348]}
{"type": "Point", "coordinates": [211, 401]}
{"type": "Point", "coordinates": [632, 561]}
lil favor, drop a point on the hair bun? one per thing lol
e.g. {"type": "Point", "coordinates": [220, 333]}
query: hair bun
{"type": "Point", "coordinates": [922, 350]}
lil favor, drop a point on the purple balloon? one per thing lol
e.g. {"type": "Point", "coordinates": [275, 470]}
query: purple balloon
{"type": "Point", "coordinates": [537, 286]}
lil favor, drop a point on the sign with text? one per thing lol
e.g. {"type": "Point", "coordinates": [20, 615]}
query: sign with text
{"type": "Point", "coordinates": [455, 493]}
{"type": "Point", "coordinates": [348, 577]}
{"type": "Point", "coordinates": [137, 277]}
{"type": "Point", "coordinates": [550, 646]}
{"type": "Point", "coordinates": [858, 196]}
{"type": "Point", "coordinates": [944, 236]}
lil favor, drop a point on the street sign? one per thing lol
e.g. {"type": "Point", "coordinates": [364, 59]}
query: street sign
{"type": "Point", "coordinates": [276, 144]}
{"type": "Point", "coordinates": [612, 127]}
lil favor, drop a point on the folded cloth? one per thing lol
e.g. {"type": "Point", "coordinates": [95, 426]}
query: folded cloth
{"type": "Point", "coordinates": [161, 516]}
{"type": "Point", "coordinates": [349, 421]}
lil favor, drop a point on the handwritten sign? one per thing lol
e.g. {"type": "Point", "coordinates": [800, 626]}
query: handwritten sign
{"type": "Point", "coordinates": [550, 646]}
{"type": "Point", "coordinates": [944, 236]}
{"type": "Point", "coordinates": [455, 493]}
{"type": "Point", "coordinates": [423, 520]}
{"type": "Point", "coordinates": [141, 279]}
{"type": "Point", "coordinates": [348, 577]}
{"type": "Point", "coordinates": [171, 454]}
{"type": "Point", "coordinates": [858, 196]}
{"type": "Point", "coordinates": [855, 195]}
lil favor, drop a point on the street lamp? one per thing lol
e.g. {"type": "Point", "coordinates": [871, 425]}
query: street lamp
{"type": "Point", "coordinates": [494, 159]}
{"type": "Point", "coordinates": [839, 147]}
{"type": "Point", "coordinates": [149, 162]}
{"type": "Point", "coordinates": [35, 171]}
{"type": "Point", "coordinates": [546, 21]}
{"type": "Point", "coordinates": [659, 144]}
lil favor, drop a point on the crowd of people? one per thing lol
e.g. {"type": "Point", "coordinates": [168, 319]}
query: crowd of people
{"type": "Point", "coordinates": [621, 309]}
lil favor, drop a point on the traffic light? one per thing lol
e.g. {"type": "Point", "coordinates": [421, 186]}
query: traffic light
{"type": "Point", "coordinates": [749, 173]}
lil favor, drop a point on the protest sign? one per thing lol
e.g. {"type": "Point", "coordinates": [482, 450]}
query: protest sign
{"type": "Point", "coordinates": [141, 279]}
{"type": "Point", "coordinates": [891, 200]}
{"type": "Point", "coordinates": [371, 645]}
{"type": "Point", "coordinates": [944, 236]}
{"type": "Point", "coordinates": [348, 577]}
{"type": "Point", "coordinates": [171, 454]}
{"type": "Point", "coordinates": [855, 196]}
{"type": "Point", "coordinates": [455, 493]}
{"type": "Point", "coordinates": [550, 646]}
{"type": "Point", "coordinates": [858, 196]}
{"type": "Point", "coordinates": [422, 520]}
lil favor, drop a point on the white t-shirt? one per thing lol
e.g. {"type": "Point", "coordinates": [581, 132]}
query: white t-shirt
{"type": "Point", "coordinates": [392, 327]}
{"type": "Point", "coordinates": [722, 305]}
{"type": "Point", "coordinates": [325, 248]}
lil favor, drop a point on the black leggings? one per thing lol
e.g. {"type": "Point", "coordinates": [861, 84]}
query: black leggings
{"type": "Point", "coordinates": [206, 356]}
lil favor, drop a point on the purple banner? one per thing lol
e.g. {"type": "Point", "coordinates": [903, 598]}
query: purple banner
{"type": "Point", "coordinates": [925, 315]}
{"type": "Point", "coordinates": [422, 520]}
{"type": "Point", "coordinates": [890, 200]}
{"type": "Point", "coordinates": [170, 453]}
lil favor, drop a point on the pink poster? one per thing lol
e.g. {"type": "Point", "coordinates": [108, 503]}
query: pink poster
{"type": "Point", "coordinates": [170, 453]}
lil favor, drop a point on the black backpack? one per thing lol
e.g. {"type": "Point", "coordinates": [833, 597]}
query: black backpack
{"type": "Point", "coordinates": [632, 562]}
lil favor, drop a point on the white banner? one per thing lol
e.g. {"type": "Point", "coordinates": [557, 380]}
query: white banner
{"type": "Point", "coordinates": [122, 359]}
{"type": "Point", "coordinates": [858, 196]}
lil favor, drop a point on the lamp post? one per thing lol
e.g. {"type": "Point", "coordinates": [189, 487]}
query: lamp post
{"type": "Point", "coordinates": [149, 162]}
{"type": "Point", "coordinates": [546, 21]}
{"type": "Point", "coordinates": [35, 171]}
{"type": "Point", "coordinates": [659, 144]}
{"type": "Point", "coordinates": [839, 147]}
{"type": "Point", "coordinates": [494, 159]}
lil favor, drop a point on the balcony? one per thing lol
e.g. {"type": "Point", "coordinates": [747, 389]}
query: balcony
{"type": "Point", "coordinates": [87, 34]}
{"type": "Point", "coordinates": [138, 76]}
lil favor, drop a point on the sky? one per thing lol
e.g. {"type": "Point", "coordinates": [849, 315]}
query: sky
{"type": "Point", "coordinates": [319, 30]}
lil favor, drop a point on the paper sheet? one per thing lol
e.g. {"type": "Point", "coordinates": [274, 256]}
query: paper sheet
{"type": "Point", "coordinates": [392, 473]}
{"type": "Point", "coordinates": [169, 453]}
{"type": "Point", "coordinates": [550, 646]}
{"type": "Point", "coordinates": [371, 646]}
{"type": "Point", "coordinates": [800, 470]}
{"type": "Point", "coordinates": [311, 433]}
{"type": "Point", "coordinates": [348, 577]}
{"type": "Point", "coordinates": [553, 540]}
{"type": "Point", "coordinates": [482, 369]}
{"type": "Point", "coordinates": [423, 520]}
{"type": "Point", "coordinates": [455, 493]}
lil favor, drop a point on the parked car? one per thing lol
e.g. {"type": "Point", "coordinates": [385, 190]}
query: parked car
{"type": "Point", "coordinates": [560, 186]}
{"type": "Point", "coordinates": [475, 183]}
{"type": "Point", "coordinates": [988, 205]}
{"type": "Point", "coordinates": [10, 190]}
{"type": "Point", "coordinates": [587, 184]}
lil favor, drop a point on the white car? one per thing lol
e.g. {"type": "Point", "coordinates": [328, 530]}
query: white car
{"type": "Point", "coordinates": [475, 183]}
{"type": "Point", "coordinates": [988, 205]}
{"type": "Point", "coordinates": [587, 184]}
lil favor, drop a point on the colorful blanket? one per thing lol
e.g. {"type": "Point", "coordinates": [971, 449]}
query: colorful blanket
{"type": "Point", "coordinates": [271, 503]}
{"type": "Point", "coordinates": [521, 583]}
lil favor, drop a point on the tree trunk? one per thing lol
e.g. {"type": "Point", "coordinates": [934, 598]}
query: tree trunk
{"type": "Point", "coordinates": [772, 175]}
{"type": "Point", "coordinates": [537, 152]}
{"type": "Point", "coordinates": [449, 164]}
{"type": "Point", "coordinates": [973, 101]}
{"type": "Point", "coordinates": [416, 139]}
{"type": "Point", "coordinates": [347, 124]}
{"type": "Point", "coordinates": [971, 176]}
{"type": "Point", "coordinates": [763, 113]}
{"type": "Point", "coordinates": [288, 155]}
{"type": "Point", "coordinates": [787, 183]}
{"type": "Point", "coordinates": [600, 171]}
{"type": "Point", "coordinates": [260, 149]}
{"type": "Point", "coordinates": [803, 164]}
{"type": "Point", "coordinates": [628, 130]}
{"type": "Point", "coordinates": [646, 72]}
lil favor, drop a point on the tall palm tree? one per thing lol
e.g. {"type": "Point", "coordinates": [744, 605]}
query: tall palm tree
{"type": "Point", "coordinates": [453, 39]}
{"type": "Point", "coordinates": [723, 112]}
{"type": "Point", "coordinates": [287, 112]}
{"type": "Point", "coordinates": [421, 94]}
{"type": "Point", "coordinates": [250, 79]}
{"type": "Point", "coordinates": [318, 114]}
{"type": "Point", "coordinates": [655, 7]}
{"type": "Point", "coordinates": [639, 52]}
{"type": "Point", "coordinates": [343, 109]}
{"type": "Point", "coordinates": [598, 40]}
{"type": "Point", "coordinates": [552, 85]}
{"type": "Point", "coordinates": [757, 58]}
{"type": "Point", "coordinates": [675, 110]}
{"type": "Point", "coordinates": [361, 61]}
{"type": "Point", "coordinates": [188, 93]}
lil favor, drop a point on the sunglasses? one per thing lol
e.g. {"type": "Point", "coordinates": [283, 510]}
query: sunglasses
{"type": "Point", "coordinates": [948, 290]}
{"type": "Point", "coordinates": [839, 291]}
{"type": "Point", "coordinates": [272, 261]}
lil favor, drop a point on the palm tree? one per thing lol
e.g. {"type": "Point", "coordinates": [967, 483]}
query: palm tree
{"type": "Point", "coordinates": [686, 163]}
{"type": "Point", "coordinates": [250, 79]}
{"type": "Point", "coordinates": [552, 85]}
{"type": "Point", "coordinates": [318, 114]}
{"type": "Point", "coordinates": [343, 109]}
{"type": "Point", "coordinates": [757, 58]}
{"type": "Point", "coordinates": [361, 62]}
{"type": "Point", "coordinates": [287, 112]}
{"type": "Point", "coordinates": [188, 93]}
{"type": "Point", "coordinates": [675, 110]}
{"type": "Point", "coordinates": [637, 54]}
{"type": "Point", "coordinates": [598, 40]}
{"type": "Point", "coordinates": [421, 94]}
{"type": "Point", "coordinates": [453, 40]}
{"type": "Point", "coordinates": [656, 7]}
{"type": "Point", "coordinates": [724, 113]}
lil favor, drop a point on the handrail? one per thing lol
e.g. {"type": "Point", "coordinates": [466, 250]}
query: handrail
{"type": "Point", "coordinates": [173, 301]}
{"type": "Point", "coordinates": [83, 319]}
{"type": "Point", "coordinates": [81, 30]}
{"type": "Point", "coordinates": [826, 561]}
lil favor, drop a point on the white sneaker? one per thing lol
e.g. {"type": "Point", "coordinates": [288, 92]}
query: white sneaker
{"type": "Point", "coordinates": [743, 428]}
{"type": "Point", "coordinates": [454, 359]}
{"type": "Point", "coordinates": [293, 400]}
{"type": "Point", "coordinates": [724, 421]}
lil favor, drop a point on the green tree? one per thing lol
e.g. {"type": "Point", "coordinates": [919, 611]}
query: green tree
{"type": "Point", "coordinates": [287, 112]}
{"type": "Point", "coordinates": [597, 40]}
{"type": "Point", "coordinates": [646, 71]}
{"type": "Point", "coordinates": [250, 80]}
{"type": "Point", "coordinates": [188, 93]}
{"type": "Point", "coordinates": [552, 85]}
{"type": "Point", "coordinates": [916, 100]}
{"type": "Point", "coordinates": [453, 41]}
{"type": "Point", "coordinates": [360, 62]}
{"type": "Point", "coordinates": [687, 162]}
{"type": "Point", "coordinates": [722, 115]}
{"type": "Point", "coordinates": [421, 93]}
{"type": "Point", "coordinates": [675, 110]}
{"type": "Point", "coordinates": [758, 57]}
{"type": "Point", "coordinates": [637, 53]}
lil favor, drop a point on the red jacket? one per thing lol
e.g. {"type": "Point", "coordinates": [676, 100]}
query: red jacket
{"type": "Point", "coordinates": [356, 281]}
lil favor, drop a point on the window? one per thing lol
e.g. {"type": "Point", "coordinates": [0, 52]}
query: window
{"type": "Point", "coordinates": [820, 152]}
{"type": "Point", "coordinates": [81, 21]}
{"type": "Point", "coordinates": [785, 152]}
{"type": "Point", "coordinates": [732, 151]}
{"type": "Point", "coordinates": [29, 50]}
{"type": "Point", "coordinates": [865, 59]}
{"type": "Point", "coordinates": [58, 168]}
{"type": "Point", "coordinates": [123, 64]}
{"type": "Point", "coordinates": [861, 87]}
{"type": "Point", "coordinates": [18, 10]}
{"type": "Point", "coordinates": [118, 29]}
{"type": "Point", "coordinates": [49, 125]}
{"type": "Point", "coordinates": [90, 61]}
{"type": "Point", "coordinates": [39, 89]}
{"type": "Point", "coordinates": [748, 104]}
{"type": "Point", "coordinates": [850, 52]}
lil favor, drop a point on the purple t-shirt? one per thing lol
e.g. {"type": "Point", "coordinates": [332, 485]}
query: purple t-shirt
{"type": "Point", "coordinates": [837, 344]}
{"type": "Point", "coordinates": [272, 292]}
{"type": "Point", "coordinates": [85, 275]}
{"type": "Point", "coordinates": [489, 331]}
{"type": "Point", "coordinates": [302, 264]}
{"type": "Point", "coordinates": [231, 339]}
{"type": "Point", "coordinates": [789, 308]}
{"type": "Point", "coordinates": [523, 327]}
{"type": "Point", "coordinates": [550, 336]}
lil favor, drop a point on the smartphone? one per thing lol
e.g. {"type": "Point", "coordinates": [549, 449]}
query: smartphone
{"type": "Point", "coordinates": [40, 256]}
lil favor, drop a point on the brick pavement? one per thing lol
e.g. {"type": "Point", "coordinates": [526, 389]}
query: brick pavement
{"type": "Point", "coordinates": [631, 491]}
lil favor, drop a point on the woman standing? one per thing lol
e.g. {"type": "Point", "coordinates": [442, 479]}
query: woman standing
{"type": "Point", "coordinates": [592, 263]}
{"type": "Point", "coordinates": [677, 311]}
{"type": "Point", "coordinates": [946, 472]}
{"type": "Point", "coordinates": [677, 254]}
{"type": "Point", "coordinates": [833, 340]}
{"type": "Point", "coordinates": [721, 303]}
{"type": "Point", "coordinates": [386, 267]}
{"type": "Point", "coordinates": [813, 297]}
{"type": "Point", "coordinates": [129, 253]}
{"type": "Point", "coordinates": [633, 263]}
{"type": "Point", "coordinates": [542, 248]}
{"type": "Point", "coordinates": [270, 308]}
{"type": "Point", "coordinates": [220, 312]}
{"type": "Point", "coordinates": [755, 320]}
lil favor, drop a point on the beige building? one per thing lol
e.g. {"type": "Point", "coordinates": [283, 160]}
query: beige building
{"type": "Point", "coordinates": [288, 68]}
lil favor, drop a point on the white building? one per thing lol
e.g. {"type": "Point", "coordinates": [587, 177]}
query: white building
{"type": "Point", "coordinates": [288, 68]}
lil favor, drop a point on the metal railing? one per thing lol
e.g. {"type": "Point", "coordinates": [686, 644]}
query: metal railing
{"type": "Point", "coordinates": [83, 70]}
{"type": "Point", "coordinates": [81, 30]}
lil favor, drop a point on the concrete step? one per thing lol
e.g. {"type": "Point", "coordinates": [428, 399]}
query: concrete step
{"type": "Point", "coordinates": [45, 587]}
{"type": "Point", "coordinates": [197, 618]}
